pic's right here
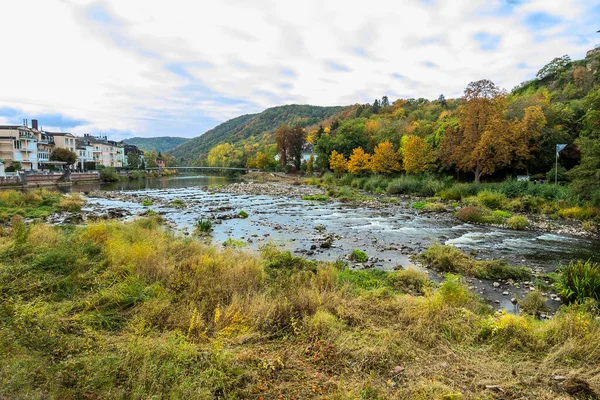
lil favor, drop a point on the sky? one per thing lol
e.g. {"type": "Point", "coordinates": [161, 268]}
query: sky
{"type": "Point", "coordinates": [178, 68]}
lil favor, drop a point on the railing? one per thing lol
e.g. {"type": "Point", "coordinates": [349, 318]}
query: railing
{"type": "Point", "coordinates": [27, 136]}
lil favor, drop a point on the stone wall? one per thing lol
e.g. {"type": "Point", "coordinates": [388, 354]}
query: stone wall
{"type": "Point", "coordinates": [85, 176]}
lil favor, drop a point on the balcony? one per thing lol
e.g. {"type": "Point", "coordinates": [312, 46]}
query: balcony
{"type": "Point", "coordinates": [27, 136]}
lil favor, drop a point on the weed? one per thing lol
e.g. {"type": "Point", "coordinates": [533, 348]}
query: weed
{"type": "Point", "coordinates": [243, 214]}
{"type": "Point", "coordinates": [409, 281]}
{"type": "Point", "coordinates": [478, 215]}
{"type": "Point", "coordinates": [203, 226]}
{"type": "Point", "coordinates": [578, 281]}
{"type": "Point", "coordinates": [358, 256]}
{"type": "Point", "coordinates": [533, 303]}
{"type": "Point", "coordinates": [319, 197]}
{"type": "Point", "coordinates": [435, 207]}
{"type": "Point", "coordinates": [230, 242]}
{"type": "Point", "coordinates": [147, 202]}
{"type": "Point", "coordinates": [419, 205]}
{"type": "Point", "coordinates": [178, 203]}
{"type": "Point", "coordinates": [518, 222]}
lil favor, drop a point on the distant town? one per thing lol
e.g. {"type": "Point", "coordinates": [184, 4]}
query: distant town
{"type": "Point", "coordinates": [29, 148]}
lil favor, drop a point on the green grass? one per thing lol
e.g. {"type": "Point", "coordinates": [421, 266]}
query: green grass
{"type": "Point", "coordinates": [203, 226]}
{"type": "Point", "coordinates": [178, 203]}
{"type": "Point", "coordinates": [147, 202]}
{"type": "Point", "coordinates": [36, 204]}
{"type": "Point", "coordinates": [318, 197]}
{"type": "Point", "coordinates": [578, 281]}
{"type": "Point", "coordinates": [231, 242]}
{"type": "Point", "coordinates": [243, 214]}
{"type": "Point", "coordinates": [518, 222]}
{"type": "Point", "coordinates": [358, 256]}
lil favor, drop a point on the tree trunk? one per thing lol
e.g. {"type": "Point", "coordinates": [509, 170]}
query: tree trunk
{"type": "Point", "coordinates": [477, 175]}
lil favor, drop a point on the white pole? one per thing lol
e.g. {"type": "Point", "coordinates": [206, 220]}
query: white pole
{"type": "Point", "coordinates": [556, 169]}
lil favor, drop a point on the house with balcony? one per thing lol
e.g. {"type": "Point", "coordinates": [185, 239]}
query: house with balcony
{"type": "Point", "coordinates": [18, 144]}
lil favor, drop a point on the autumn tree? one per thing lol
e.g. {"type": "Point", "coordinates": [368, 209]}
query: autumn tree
{"type": "Point", "coordinates": [223, 155]}
{"type": "Point", "coordinates": [260, 160]}
{"type": "Point", "coordinates": [385, 159]}
{"type": "Point", "coordinates": [418, 155]}
{"type": "Point", "coordinates": [525, 134]}
{"type": "Point", "coordinates": [282, 138]}
{"type": "Point", "coordinates": [290, 143]}
{"type": "Point", "coordinates": [359, 162]}
{"type": "Point", "coordinates": [310, 164]}
{"type": "Point", "coordinates": [338, 163]}
{"type": "Point", "coordinates": [481, 142]}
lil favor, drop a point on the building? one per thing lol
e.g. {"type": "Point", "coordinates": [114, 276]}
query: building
{"type": "Point", "coordinates": [45, 143]}
{"type": "Point", "coordinates": [18, 144]}
{"type": "Point", "coordinates": [106, 152]}
{"type": "Point", "coordinates": [64, 140]}
{"type": "Point", "coordinates": [85, 153]}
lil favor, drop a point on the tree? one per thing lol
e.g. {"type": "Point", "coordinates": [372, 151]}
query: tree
{"type": "Point", "coordinates": [151, 157]}
{"type": "Point", "coordinates": [385, 102]}
{"type": "Point", "coordinates": [481, 142]}
{"type": "Point", "coordinates": [133, 160]}
{"type": "Point", "coordinates": [418, 155]}
{"type": "Point", "coordinates": [223, 155]}
{"type": "Point", "coordinates": [338, 163]}
{"type": "Point", "coordinates": [359, 162]}
{"type": "Point", "coordinates": [376, 107]}
{"type": "Point", "coordinates": [63, 155]}
{"type": "Point", "coordinates": [282, 137]}
{"type": "Point", "coordinates": [553, 67]}
{"type": "Point", "coordinates": [385, 159]}
{"type": "Point", "coordinates": [442, 100]}
{"type": "Point", "coordinates": [525, 134]}
{"type": "Point", "coordinates": [260, 160]}
{"type": "Point", "coordinates": [310, 164]}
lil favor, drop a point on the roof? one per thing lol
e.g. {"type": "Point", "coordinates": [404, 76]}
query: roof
{"type": "Point", "coordinates": [59, 133]}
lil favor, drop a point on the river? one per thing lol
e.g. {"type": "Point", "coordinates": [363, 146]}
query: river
{"type": "Point", "coordinates": [389, 233]}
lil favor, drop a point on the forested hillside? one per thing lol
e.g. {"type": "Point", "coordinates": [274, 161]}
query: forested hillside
{"type": "Point", "coordinates": [252, 128]}
{"type": "Point", "coordinates": [159, 144]}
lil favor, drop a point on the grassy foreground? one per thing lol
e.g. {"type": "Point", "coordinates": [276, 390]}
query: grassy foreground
{"type": "Point", "coordinates": [117, 310]}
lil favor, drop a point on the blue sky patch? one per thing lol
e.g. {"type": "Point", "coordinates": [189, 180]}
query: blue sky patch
{"type": "Point", "coordinates": [487, 41]}
{"type": "Point", "coordinates": [541, 20]}
{"type": "Point", "coordinates": [337, 67]}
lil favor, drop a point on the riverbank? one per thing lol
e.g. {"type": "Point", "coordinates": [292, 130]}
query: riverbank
{"type": "Point", "coordinates": [115, 310]}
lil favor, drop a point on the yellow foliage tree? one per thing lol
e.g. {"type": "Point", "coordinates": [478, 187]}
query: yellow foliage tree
{"type": "Point", "coordinates": [359, 162]}
{"type": "Point", "coordinates": [418, 155]}
{"type": "Point", "coordinates": [223, 155]}
{"type": "Point", "coordinates": [385, 159]}
{"type": "Point", "coordinates": [260, 161]}
{"type": "Point", "coordinates": [338, 163]}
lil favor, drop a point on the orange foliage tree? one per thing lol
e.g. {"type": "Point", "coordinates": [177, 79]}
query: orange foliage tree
{"type": "Point", "coordinates": [482, 141]}
{"type": "Point", "coordinates": [418, 155]}
{"type": "Point", "coordinates": [385, 159]}
{"type": "Point", "coordinates": [338, 163]}
{"type": "Point", "coordinates": [359, 162]}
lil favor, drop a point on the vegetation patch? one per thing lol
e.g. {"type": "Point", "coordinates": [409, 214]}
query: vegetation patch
{"type": "Point", "coordinates": [147, 202]}
{"type": "Point", "coordinates": [419, 205]}
{"type": "Point", "coordinates": [203, 227]}
{"type": "Point", "coordinates": [478, 215]}
{"type": "Point", "coordinates": [243, 214]}
{"type": "Point", "coordinates": [318, 197]}
{"type": "Point", "coordinates": [178, 203]}
{"type": "Point", "coordinates": [533, 303]}
{"type": "Point", "coordinates": [231, 242]}
{"type": "Point", "coordinates": [358, 256]}
{"type": "Point", "coordinates": [518, 222]}
{"type": "Point", "coordinates": [578, 281]}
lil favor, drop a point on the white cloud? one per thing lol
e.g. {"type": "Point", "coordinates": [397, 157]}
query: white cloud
{"type": "Point", "coordinates": [152, 67]}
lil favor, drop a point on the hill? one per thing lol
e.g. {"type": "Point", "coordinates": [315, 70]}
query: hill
{"type": "Point", "coordinates": [160, 144]}
{"type": "Point", "coordinates": [252, 128]}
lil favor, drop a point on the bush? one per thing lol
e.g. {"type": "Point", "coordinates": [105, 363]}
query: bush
{"type": "Point", "coordinates": [418, 186]}
{"type": "Point", "coordinates": [358, 256]}
{"type": "Point", "coordinates": [147, 202]}
{"type": "Point", "coordinates": [494, 200]}
{"type": "Point", "coordinates": [513, 188]}
{"type": "Point", "coordinates": [533, 303]}
{"type": "Point", "coordinates": [178, 203]}
{"type": "Point", "coordinates": [578, 281]}
{"type": "Point", "coordinates": [419, 205]}
{"type": "Point", "coordinates": [478, 215]}
{"type": "Point", "coordinates": [459, 191]}
{"type": "Point", "coordinates": [447, 259]}
{"type": "Point", "coordinates": [109, 174]}
{"type": "Point", "coordinates": [409, 281]}
{"type": "Point", "coordinates": [243, 214]}
{"type": "Point", "coordinates": [517, 222]}
{"type": "Point", "coordinates": [580, 213]}
{"type": "Point", "coordinates": [435, 207]}
{"type": "Point", "coordinates": [497, 269]}
{"type": "Point", "coordinates": [230, 242]}
{"type": "Point", "coordinates": [203, 226]}
{"type": "Point", "coordinates": [72, 203]}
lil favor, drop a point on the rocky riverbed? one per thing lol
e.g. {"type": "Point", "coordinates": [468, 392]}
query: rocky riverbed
{"type": "Point", "coordinates": [389, 232]}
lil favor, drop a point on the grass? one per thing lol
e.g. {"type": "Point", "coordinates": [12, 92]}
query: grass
{"type": "Point", "coordinates": [318, 197]}
{"type": "Point", "coordinates": [450, 259]}
{"type": "Point", "coordinates": [178, 203]}
{"type": "Point", "coordinates": [203, 227]}
{"type": "Point", "coordinates": [147, 202]}
{"type": "Point", "coordinates": [36, 204]}
{"type": "Point", "coordinates": [231, 242]}
{"type": "Point", "coordinates": [243, 214]}
{"type": "Point", "coordinates": [129, 310]}
{"type": "Point", "coordinates": [533, 303]}
{"type": "Point", "coordinates": [518, 222]}
{"type": "Point", "coordinates": [358, 256]}
{"type": "Point", "coordinates": [578, 281]}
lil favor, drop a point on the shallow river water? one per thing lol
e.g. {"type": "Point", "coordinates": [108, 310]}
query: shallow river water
{"type": "Point", "coordinates": [389, 234]}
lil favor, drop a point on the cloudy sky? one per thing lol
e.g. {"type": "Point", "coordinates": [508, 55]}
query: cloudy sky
{"type": "Point", "coordinates": [180, 67]}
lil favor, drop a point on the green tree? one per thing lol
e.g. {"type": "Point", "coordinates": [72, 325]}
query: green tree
{"type": "Point", "coordinates": [63, 155]}
{"type": "Point", "coordinates": [133, 160]}
{"type": "Point", "coordinates": [554, 67]}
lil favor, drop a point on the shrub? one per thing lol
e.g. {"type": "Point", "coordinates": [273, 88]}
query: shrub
{"type": "Point", "coordinates": [177, 203]}
{"type": "Point", "coordinates": [71, 203]}
{"type": "Point", "coordinates": [497, 269]}
{"type": "Point", "coordinates": [243, 214]}
{"type": "Point", "coordinates": [109, 174]}
{"type": "Point", "coordinates": [147, 202]}
{"type": "Point", "coordinates": [230, 242]}
{"type": "Point", "coordinates": [578, 281]}
{"type": "Point", "coordinates": [459, 191]}
{"type": "Point", "coordinates": [203, 226]}
{"type": "Point", "coordinates": [589, 226]}
{"type": "Point", "coordinates": [358, 256]}
{"type": "Point", "coordinates": [513, 188]}
{"type": "Point", "coordinates": [533, 303]}
{"type": "Point", "coordinates": [435, 207]}
{"type": "Point", "coordinates": [494, 200]}
{"type": "Point", "coordinates": [409, 281]}
{"type": "Point", "coordinates": [447, 259]}
{"type": "Point", "coordinates": [479, 215]}
{"type": "Point", "coordinates": [518, 222]}
{"type": "Point", "coordinates": [580, 213]}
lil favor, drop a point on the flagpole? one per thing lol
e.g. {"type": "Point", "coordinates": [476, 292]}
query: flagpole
{"type": "Point", "coordinates": [556, 169]}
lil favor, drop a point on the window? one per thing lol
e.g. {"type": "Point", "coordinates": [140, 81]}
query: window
{"type": "Point", "coordinates": [17, 144]}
